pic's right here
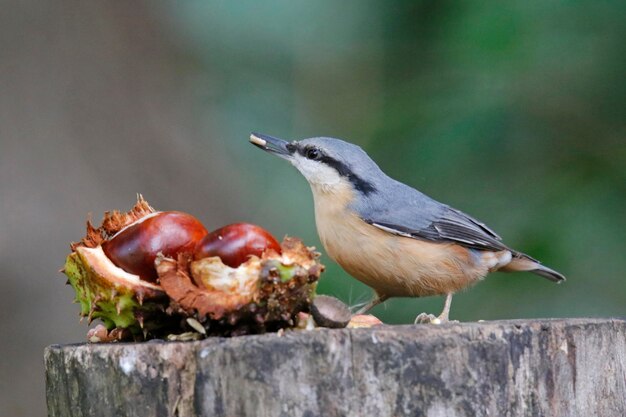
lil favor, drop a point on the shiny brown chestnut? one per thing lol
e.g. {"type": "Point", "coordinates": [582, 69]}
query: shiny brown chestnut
{"type": "Point", "coordinates": [135, 247]}
{"type": "Point", "coordinates": [235, 243]}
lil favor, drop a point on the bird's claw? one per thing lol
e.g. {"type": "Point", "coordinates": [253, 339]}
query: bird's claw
{"type": "Point", "coordinates": [424, 318]}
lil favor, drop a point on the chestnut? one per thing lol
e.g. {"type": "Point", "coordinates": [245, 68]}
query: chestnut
{"type": "Point", "coordinates": [135, 247]}
{"type": "Point", "coordinates": [235, 243]}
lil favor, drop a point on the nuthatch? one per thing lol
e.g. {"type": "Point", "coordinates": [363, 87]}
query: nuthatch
{"type": "Point", "coordinates": [390, 236]}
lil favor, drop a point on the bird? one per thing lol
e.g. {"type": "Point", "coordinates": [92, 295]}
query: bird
{"type": "Point", "coordinates": [390, 236]}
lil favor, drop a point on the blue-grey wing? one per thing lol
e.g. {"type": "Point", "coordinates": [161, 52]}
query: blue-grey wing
{"type": "Point", "coordinates": [418, 216]}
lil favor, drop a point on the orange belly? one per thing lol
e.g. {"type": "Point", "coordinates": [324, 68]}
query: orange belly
{"type": "Point", "coordinates": [392, 265]}
{"type": "Point", "coordinates": [399, 266]}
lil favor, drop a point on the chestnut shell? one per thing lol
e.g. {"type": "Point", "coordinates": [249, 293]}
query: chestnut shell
{"type": "Point", "coordinates": [282, 284]}
{"type": "Point", "coordinates": [235, 243]}
{"type": "Point", "coordinates": [135, 247]}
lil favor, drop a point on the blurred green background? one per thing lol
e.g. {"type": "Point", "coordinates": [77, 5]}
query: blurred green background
{"type": "Point", "coordinates": [510, 111]}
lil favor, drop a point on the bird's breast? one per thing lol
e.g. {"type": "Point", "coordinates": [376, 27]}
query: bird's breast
{"type": "Point", "coordinates": [390, 264]}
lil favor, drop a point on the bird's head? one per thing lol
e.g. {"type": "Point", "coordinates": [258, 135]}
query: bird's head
{"type": "Point", "coordinates": [328, 164]}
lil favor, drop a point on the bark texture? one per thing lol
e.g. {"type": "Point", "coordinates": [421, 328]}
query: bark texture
{"type": "Point", "coordinates": [573, 367]}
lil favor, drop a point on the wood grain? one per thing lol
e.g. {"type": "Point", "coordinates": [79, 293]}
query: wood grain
{"type": "Point", "coordinates": [574, 367]}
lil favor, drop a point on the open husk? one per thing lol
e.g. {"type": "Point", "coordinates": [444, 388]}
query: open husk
{"type": "Point", "coordinates": [263, 294]}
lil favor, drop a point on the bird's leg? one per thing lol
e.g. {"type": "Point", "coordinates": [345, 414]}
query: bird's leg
{"type": "Point", "coordinates": [443, 317]}
{"type": "Point", "coordinates": [375, 301]}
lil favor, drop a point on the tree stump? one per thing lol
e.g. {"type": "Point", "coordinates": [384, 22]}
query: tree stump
{"type": "Point", "coordinates": [573, 367]}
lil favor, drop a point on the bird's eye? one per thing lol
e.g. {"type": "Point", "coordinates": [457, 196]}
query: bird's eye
{"type": "Point", "coordinates": [313, 153]}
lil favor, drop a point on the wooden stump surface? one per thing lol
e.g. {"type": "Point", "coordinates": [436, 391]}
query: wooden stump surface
{"type": "Point", "coordinates": [572, 367]}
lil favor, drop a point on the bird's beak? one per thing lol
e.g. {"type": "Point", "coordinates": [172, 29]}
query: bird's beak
{"type": "Point", "coordinates": [270, 144]}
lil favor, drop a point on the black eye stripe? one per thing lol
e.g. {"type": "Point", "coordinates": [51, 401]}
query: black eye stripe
{"type": "Point", "coordinates": [343, 169]}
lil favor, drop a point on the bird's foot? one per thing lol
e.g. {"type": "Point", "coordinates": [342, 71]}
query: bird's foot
{"type": "Point", "coordinates": [424, 318]}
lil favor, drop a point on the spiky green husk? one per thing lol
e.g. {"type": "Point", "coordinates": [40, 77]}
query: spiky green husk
{"type": "Point", "coordinates": [117, 305]}
{"type": "Point", "coordinates": [279, 286]}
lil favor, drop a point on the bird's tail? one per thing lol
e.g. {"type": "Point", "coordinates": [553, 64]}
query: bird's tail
{"type": "Point", "coordinates": [522, 262]}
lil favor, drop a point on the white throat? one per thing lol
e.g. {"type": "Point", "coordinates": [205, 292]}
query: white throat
{"type": "Point", "coordinates": [322, 178]}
